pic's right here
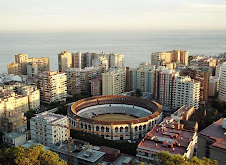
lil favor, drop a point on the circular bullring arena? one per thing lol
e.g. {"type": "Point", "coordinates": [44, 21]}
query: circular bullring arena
{"type": "Point", "coordinates": [115, 117]}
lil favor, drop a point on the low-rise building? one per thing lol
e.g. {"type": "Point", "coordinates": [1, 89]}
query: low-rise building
{"type": "Point", "coordinates": [12, 120]}
{"type": "Point", "coordinates": [90, 157]}
{"type": "Point", "coordinates": [183, 113]}
{"type": "Point", "coordinates": [212, 142]}
{"type": "Point", "coordinates": [168, 136]}
{"type": "Point", "coordinates": [16, 138]}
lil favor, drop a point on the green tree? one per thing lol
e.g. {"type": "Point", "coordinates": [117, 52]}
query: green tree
{"type": "Point", "coordinates": [33, 155]}
{"type": "Point", "coordinates": [164, 158]}
{"type": "Point", "coordinates": [139, 92]}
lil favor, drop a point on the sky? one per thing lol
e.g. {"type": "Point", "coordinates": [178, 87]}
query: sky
{"type": "Point", "coordinates": [104, 15]}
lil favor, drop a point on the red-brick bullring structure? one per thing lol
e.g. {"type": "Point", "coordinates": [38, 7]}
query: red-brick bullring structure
{"type": "Point", "coordinates": [145, 114]}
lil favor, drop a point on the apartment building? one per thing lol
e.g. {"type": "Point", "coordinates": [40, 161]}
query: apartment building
{"type": "Point", "coordinates": [170, 59]}
{"type": "Point", "coordinates": [114, 82]}
{"type": "Point", "coordinates": [20, 97]}
{"type": "Point", "coordinates": [211, 142]}
{"type": "Point", "coordinates": [28, 66]}
{"type": "Point", "coordinates": [96, 86]}
{"type": "Point", "coordinates": [207, 64]}
{"type": "Point", "coordinates": [107, 60]}
{"type": "Point", "coordinates": [12, 120]}
{"type": "Point", "coordinates": [17, 137]}
{"type": "Point", "coordinates": [64, 61]}
{"type": "Point", "coordinates": [73, 81]}
{"type": "Point", "coordinates": [213, 86]}
{"type": "Point", "coordinates": [186, 91]}
{"type": "Point", "coordinates": [142, 78]}
{"type": "Point", "coordinates": [222, 87]}
{"type": "Point", "coordinates": [49, 128]}
{"type": "Point", "coordinates": [199, 75]}
{"type": "Point", "coordinates": [53, 86]}
{"type": "Point", "coordinates": [163, 85]}
{"type": "Point", "coordinates": [23, 65]}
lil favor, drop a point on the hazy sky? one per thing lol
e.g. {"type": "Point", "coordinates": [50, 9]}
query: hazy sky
{"type": "Point", "coordinates": [69, 15]}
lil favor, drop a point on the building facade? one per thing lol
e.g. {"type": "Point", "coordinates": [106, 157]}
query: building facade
{"type": "Point", "coordinates": [185, 92]}
{"type": "Point", "coordinates": [142, 78]}
{"type": "Point", "coordinates": [169, 58]}
{"type": "Point", "coordinates": [64, 61]}
{"type": "Point", "coordinates": [28, 66]}
{"type": "Point", "coordinates": [163, 85]}
{"type": "Point", "coordinates": [114, 82]}
{"type": "Point", "coordinates": [48, 128]}
{"type": "Point", "coordinates": [211, 142]}
{"type": "Point", "coordinates": [52, 86]}
{"type": "Point", "coordinates": [222, 87]}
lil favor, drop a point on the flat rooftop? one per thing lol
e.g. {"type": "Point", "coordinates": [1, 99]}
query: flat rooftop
{"type": "Point", "coordinates": [48, 117]}
{"type": "Point", "coordinates": [165, 138]}
{"type": "Point", "coordinates": [216, 132]}
{"type": "Point", "coordinates": [13, 135]}
{"type": "Point", "coordinates": [90, 155]}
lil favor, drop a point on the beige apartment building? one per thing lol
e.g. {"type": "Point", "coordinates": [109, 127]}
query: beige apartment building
{"type": "Point", "coordinates": [114, 82]}
{"type": "Point", "coordinates": [170, 59]}
{"type": "Point", "coordinates": [64, 61]}
{"type": "Point", "coordinates": [73, 81]}
{"type": "Point", "coordinates": [53, 86]}
{"type": "Point", "coordinates": [213, 86]}
{"type": "Point", "coordinates": [12, 120]}
{"type": "Point", "coordinates": [186, 91]}
{"type": "Point", "coordinates": [28, 66]}
{"type": "Point", "coordinates": [18, 97]}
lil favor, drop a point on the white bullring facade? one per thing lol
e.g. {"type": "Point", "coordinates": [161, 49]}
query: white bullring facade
{"type": "Point", "coordinates": [82, 115]}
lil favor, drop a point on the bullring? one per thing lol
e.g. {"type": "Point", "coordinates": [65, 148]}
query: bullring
{"type": "Point", "coordinates": [135, 116]}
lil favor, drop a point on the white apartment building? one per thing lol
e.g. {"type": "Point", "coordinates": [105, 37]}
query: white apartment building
{"type": "Point", "coordinates": [222, 87]}
{"type": "Point", "coordinates": [48, 128]}
{"type": "Point", "coordinates": [64, 61]}
{"type": "Point", "coordinates": [52, 86]}
{"type": "Point", "coordinates": [113, 82]}
{"type": "Point", "coordinates": [218, 70]}
{"type": "Point", "coordinates": [164, 85]}
{"type": "Point", "coordinates": [186, 91]}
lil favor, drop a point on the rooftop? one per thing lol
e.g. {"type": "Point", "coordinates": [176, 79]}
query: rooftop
{"type": "Point", "coordinates": [216, 132]}
{"type": "Point", "coordinates": [173, 139]}
{"type": "Point", "coordinates": [90, 155]}
{"type": "Point", "coordinates": [48, 117]}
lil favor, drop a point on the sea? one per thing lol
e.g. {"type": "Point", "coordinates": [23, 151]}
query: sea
{"type": "Point", "coordinates": [136, 46]}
